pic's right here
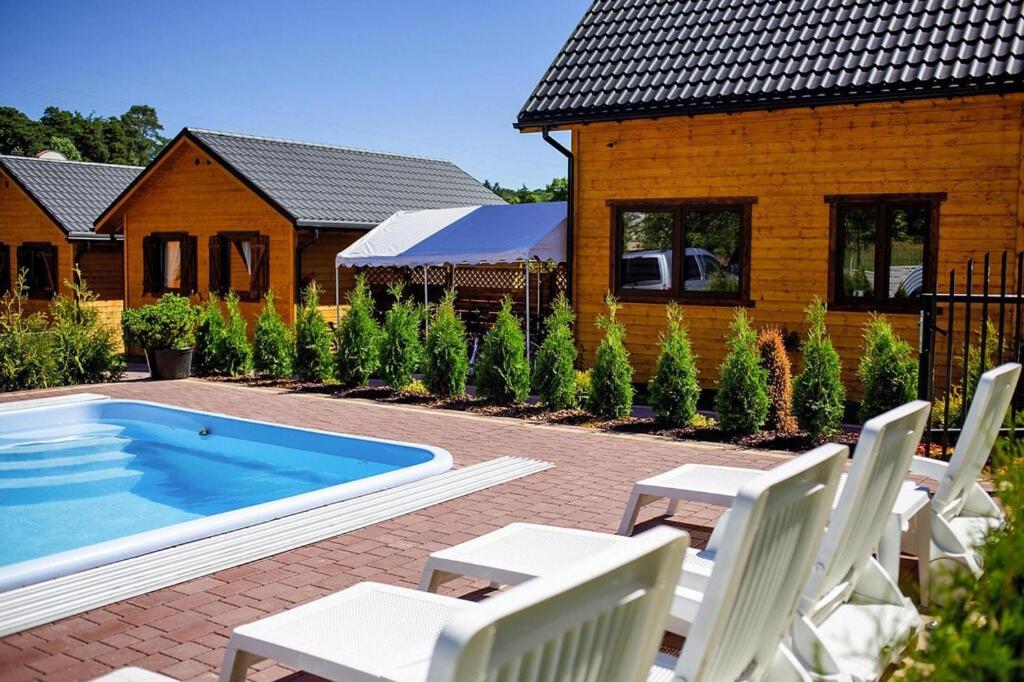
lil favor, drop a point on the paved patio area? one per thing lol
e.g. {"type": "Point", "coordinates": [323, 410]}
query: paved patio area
{"type": "Point", "coordinates": [181, 631]}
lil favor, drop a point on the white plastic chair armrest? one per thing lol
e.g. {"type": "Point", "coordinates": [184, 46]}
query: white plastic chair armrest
{"type": "Point", "coordinates": [925, 466]}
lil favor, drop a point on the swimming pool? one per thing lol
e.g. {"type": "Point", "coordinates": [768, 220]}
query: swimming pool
{"type": "Point", "coordinates": [87, 484]}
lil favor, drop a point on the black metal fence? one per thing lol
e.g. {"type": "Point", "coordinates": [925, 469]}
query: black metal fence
{"type": "Point", "coordinates": [971, 327]}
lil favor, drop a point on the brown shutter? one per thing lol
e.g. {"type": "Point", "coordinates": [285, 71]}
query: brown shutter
{"type": "Point", "coordinates": [5, 269]}
{"type": "Point", "coordinates": [259, 280]}
{"type": "Point", "coordinates": [48, 258]}
{"type": "Point", "coordinates": [216, 285]}
{"type": "Point", "coordinates": [189, 269]}
{"type": "Point", "coordinates": [150, 265]}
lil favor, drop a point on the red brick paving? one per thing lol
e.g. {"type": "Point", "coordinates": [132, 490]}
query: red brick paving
{"type": "Point", "coordinates": [181, 631]}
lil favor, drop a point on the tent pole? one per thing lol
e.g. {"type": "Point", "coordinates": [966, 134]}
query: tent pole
{"type": "Point", "coordinates": [337, 300]}
{"type": "Point", "coordinates": [426, 306]}
{"type": "Point", "coordinates": [526, 265]}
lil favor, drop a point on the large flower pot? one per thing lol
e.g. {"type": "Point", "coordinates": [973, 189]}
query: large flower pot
{"type": "Point", "coordinates": [170, 363]}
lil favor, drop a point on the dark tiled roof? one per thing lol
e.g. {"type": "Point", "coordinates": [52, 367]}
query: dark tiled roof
{"type": "Point", "coordinates": [316, 183]}
{"type": "Point", "coordinates": [633, 58]}
{"type": "Point", "coordinates": [73, 193]}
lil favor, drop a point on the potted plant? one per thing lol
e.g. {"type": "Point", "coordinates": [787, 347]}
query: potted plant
{"type": "Point", "coordinates": [167, 331]}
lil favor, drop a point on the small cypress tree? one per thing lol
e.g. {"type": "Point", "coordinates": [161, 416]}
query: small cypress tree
{"type": "Point", "coordinates": [206, 358]}
{"type": "Point", "coordinates": [742, 396]}
{"type": "Point", "coordinates": [447, 356]}
{"type": "Point", "coordinates": [272, 343]}
{"type": "Point", "coordinates": [503, 374]}
{"type": "Point", "coordinates": [818, 391]}
{"type": "Point", "coordinates": [611, 381]}
{"type": "Point", "coordinates": [313, 361]}
{"type": "Point", "coordinates": [358, 339]}
{"type": "Point", "coordinates": [400, 350]}
{"type": "Point", "coordinates": [554, 374]}
{"type": "Point", "coordinates": [673, 389]}
{"type": "Point", "coordinates": [776, 364]}
{"type": "Point", "coordinates": [887, 369]}
{"type": "Point", "coordinates": [234, 349]}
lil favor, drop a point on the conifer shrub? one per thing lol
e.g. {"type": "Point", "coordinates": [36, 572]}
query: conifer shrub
{"type": "Point", "coordinates": [772, 351]}
{"type": "Point", "coordinates": [206, 358]}
{"type": "Point", "coordinates": [503, 374]}
{"type": "Point", "coordinates": [554, 373]}
{"type": "Point", "coordinates": [447, 355]}
{"type": "Point", "coordinates": [313, 360]}
{"type": "Point", "coordinates": [84, 346]}
{"type": "Point", "coordinates": [818, 391]}
{"type": "Point", "coordinates": [583, 377]}
{"type": "Point", "coordinates": [401, 351]}
{"type": "Point", "coordinates": [741, 399]}
{"type": "Point", "coordinates": [611, 379]}
{"type": "Point", "coordinates": [888, 369]}
{"type": "Point", "coordinates": [234, 349]}
{"type": "Point", "coordinates": [673, 389]}
{"type": "Point", "coordinates": [272, 343]}
{"type": "Point", "coordinates": [358, 339]}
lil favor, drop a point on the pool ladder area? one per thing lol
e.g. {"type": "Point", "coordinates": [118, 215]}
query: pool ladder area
{"type": "Point", "coordinates": [60, 463]}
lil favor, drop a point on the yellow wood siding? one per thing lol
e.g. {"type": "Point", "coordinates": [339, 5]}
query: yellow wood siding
{"type": "Point", "coordinates": [190, 192]}
{"type": "Point", "coordinates": [318, 264]}
{"type": "Point", "coordinates": [790, 160]}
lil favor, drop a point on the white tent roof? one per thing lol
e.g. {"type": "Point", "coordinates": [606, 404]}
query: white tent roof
{"type": "Point", "coordinates": [502, 233]}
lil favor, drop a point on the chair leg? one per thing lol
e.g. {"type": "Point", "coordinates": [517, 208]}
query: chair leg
{"type": "Point", "coordinates": [431, 579]}
{"type": "Point", "coordinates": [889, 547]}
{"type": "Point", "coordinates": [636, 501]}
{"type": "Point", "coordinates": [236, 664]}
{"type": "Point", "coordinates": [673, 506]}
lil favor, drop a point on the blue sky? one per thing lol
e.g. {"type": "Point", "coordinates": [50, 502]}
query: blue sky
{"type": "Point", "coordinates": [443, 78]}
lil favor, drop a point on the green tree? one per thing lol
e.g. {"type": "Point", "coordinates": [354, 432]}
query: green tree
{"type": "Point", "coordinates": [359, 336]}
{"type": "Point", "coordinates": [611, 380]}
{"type": "Point", "coordinates": [673, 389]}
{"type": "Point", "coordinates": [272, 343]}
{"type": "Point", "coordinates": [401, 350]}
{"type": "Point", "coordinates": [503, 374]}
{"type": "Point", "coordinates": [206, 358]}
{"type": "Point", "coordinates": [447, 357]}
{"type": "Point", "coordinates": [818, 391]}
{"type": "Point", "coordinates": [742, 396]}
{"type": "Point", "coordinates": [556, 190]}
{"type": "Point", "coordinates": [66, 147]}
{"type": "Point", "coordinates": [20, 135]}
{"type": "Point", "coordinates": [313, 361]}
{"type": "Point", "coordinates": [234, 349]}
{"type": "Point", "coordinates": [887, 369]}
{"type": "Point", "coordinates": [554, 373]}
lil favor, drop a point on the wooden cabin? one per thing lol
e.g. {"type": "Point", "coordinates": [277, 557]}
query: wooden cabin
{"type": "Point", "coordinates": [769, 153]}
{"type": "Point", "coordinates": [47, 209]}
{"type": "Point", "coordinates": [221, 211]}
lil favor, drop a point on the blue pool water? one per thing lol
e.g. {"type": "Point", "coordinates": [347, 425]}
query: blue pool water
{"type": "Point", "coordinates": [76, 476]}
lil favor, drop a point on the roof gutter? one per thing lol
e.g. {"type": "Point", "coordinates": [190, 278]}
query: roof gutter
{"type": "Point", "coordinates": [94, 237]}
{"type": "Point", "coordinates": [570, 212]}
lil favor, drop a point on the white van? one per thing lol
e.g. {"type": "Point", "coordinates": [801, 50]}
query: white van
{"type": "Point", "coordinates": [652, 269]}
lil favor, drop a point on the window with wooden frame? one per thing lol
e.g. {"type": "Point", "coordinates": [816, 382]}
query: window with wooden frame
{"type": "Point", "coordinates": [240, 261]}
{"type": "Point", "coordinates": [5, 269]}
{"type": "Point", "coordinates": [39, 262]}
{"type": "Point", "coordinates": [883, 250]}
{"type": "Point", "coordinates": [697, 251]}
{"type": "Point", "coordinates": [169, 263]}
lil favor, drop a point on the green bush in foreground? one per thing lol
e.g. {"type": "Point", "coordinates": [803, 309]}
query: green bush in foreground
{"type": "Point", "coordinates": [313, 361]}
{"type": "Point", "coordinates": [400, 350]}
{"type": "Point", "coordinates": [234, 349]}
{"type": "Point", "coordinates": [888, 369]}
{"type": "Point", "coordinates": [611, 380]}
{"type": "Point", "coordinates": [741, 399]}
{"type": "Point", "coordinates": [206, 358]}
{"type": "Point", "coordinates": [503, 374]}
{"type": "Point", "coordinates": [818, 392]}
{"type": "Point", "coordinates": [447, 356]}
{"type": "Point", "coordinates": [554, 374]}
{"type": "Point", "coordinates": [673, 389]}
{"type": "Point", "coordinates": [26, 358]}
{"type": "Point", "coordinates": [272, 344]}
{"type": "Point", "coordinates": [84, 346]}
{"type": "Point", "coordinates": [357, 353]}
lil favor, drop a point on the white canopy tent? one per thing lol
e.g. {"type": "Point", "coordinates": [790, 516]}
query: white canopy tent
{"type": "Point", "coordinates": [471, 235]}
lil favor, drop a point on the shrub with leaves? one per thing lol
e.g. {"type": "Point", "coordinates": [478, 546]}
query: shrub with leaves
{"type": "Point", "coordinates": [554, 373]}
{"type": "Point", "coordinates": [447, 356]}
{"type": "Point", "coordinates": [974, 357]}
{"type": "Point", "coordinates": [887, 369]}
{"type": "Point", "coordinates": [503, 374]}
{"type": "Point", "coordinates": [234, 349]}
{"type": "Point", "coordinates": [583, 379]}
{"type": "Point", "coordinates": [400, 351]}
{"type": "Point", "coordinates": [170, 323]}
{"type": "Point", "coordinates": [673, 389]}
{"type": "Point", "coordinates": [741, 399]}
{"type": "Point", "coordinates": [84, 346]}
{"type": "Point", "coordinates": [313, 361]}
{"type": "Point", "coordinates": [611, 380]}
{"type": "Point", "coordinates": [272, 343]}
{"type": "Point", "coordinates": [772, 351]}
{"type": "Point", "coordinates": [358, 341]}
{"type": "Point", "coordinates": [818, 391]}
{"type": "Point", "coordinates": [26, 357]}
{"type": "Point", "coordinates": [206, 358]}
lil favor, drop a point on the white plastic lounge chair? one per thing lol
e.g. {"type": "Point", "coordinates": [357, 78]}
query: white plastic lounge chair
{"type": "Point", "coordinates": [962, 512]}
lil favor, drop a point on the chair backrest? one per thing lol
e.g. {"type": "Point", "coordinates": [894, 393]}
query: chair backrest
{"type": "Point", "coordinates": [880, 463]}
{"type": "Point", "coordinates": [601, 621]}
{"type": "Point", "coordinates": [775, 526]}
{"type": "Point", "coordinates": [981, 428]}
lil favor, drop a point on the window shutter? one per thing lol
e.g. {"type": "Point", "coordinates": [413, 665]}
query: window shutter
{"type": "Point", "coordinates": [259, 280]}
{"type": "Point", "coordinates": [24, 263]}
{"type": "Point", "coordinates": [216, 285]}
{"type": "Point", "coordinates": [189, 269]}
{"type": "Point", "coordinates": [5, 269]}
{"type": "Point", "coordinates": [150, 265]}
{"type": "Point", "coordinates": [48, 258]}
